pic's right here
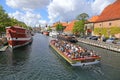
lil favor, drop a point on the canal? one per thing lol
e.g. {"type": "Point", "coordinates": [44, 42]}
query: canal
{"type": "Point", "coordinates": [37, 61]}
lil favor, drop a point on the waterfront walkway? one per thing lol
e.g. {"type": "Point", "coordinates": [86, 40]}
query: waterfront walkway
{"type": "Point", "coordinates": [3, 48]}
{"type": "Point", "coordinates": [109, 46]}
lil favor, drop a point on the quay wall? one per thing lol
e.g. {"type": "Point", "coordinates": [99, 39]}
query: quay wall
{"type": "Point", "coordinates": [109, 46]}
{"type": "Point", "coordinates": [3, 41]}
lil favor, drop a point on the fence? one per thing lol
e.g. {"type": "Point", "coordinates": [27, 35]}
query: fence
{"type": "Point", "coordinates": [109, 46]}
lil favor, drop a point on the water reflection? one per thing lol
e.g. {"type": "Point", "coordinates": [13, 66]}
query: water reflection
{"type": "Point", "coordinates": [17, 56]}
{"type": "Point", "coordinates": [39, 62]}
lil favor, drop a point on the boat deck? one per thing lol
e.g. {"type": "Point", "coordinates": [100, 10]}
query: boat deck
{"type": "Point", "coordinates": [86, 60]}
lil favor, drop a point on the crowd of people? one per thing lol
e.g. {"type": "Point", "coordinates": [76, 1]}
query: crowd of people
{"type": "Point", "coordinates": [72, 50]}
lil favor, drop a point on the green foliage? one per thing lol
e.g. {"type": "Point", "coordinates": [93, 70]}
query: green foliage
{"type": "Point", "coordinates": [49, 29]}
{"type": "Point", "coordinates": [82, 16]}
{"type": "Point", "coordinates": [78, 27]}
{"type": "Point", "coordinates": [59, 27]}
{"type": "Point", "coordinates": [30, 28]}
{"type": "Point", "coordinates": [107, 31]}
{"type": "Point", "coordinates": [6, 21]}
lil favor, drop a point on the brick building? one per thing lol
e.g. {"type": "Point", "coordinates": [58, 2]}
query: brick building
{"type": "Point", "coordinates": [110, 17]}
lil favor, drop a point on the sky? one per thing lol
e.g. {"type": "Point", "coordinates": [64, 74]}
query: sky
{"type": "Point", "coordinates": [42, 12]}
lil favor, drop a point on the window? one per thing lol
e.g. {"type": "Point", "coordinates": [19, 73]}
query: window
{"type": "Point", "coordinates": [110, 24]}
{"type": "Point", "coordinates": [100, 24]}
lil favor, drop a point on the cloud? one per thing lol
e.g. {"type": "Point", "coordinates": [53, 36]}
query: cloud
{"type": "Point", "coordinates": [99, 5]}
{"type": "Point", "coordinates": [28, 13]}
{"type": "Point", "coordinates": [58, 10]}
{"type": "Point", "coordinates": [28, 17]}
{"type": "Point", "coordinates": [66, 10]}
{"type": "Point", "coordinates": [30, 4]}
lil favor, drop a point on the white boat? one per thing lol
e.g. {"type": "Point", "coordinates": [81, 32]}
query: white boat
{"type": "Point", "coordinates": [53, 34]}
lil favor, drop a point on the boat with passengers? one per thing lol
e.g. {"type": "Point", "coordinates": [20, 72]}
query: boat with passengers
{"type": "Point", "coordinates": [74, 54]}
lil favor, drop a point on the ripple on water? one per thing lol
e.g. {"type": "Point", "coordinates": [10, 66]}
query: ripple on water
{"type": "Point", "coordinates": [38, 61]}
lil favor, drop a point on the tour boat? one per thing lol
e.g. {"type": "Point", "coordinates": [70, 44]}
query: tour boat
{"type": "Point", "coordinates": [18, 36]}
{"type": "Point", "coordinates": [81, 61]}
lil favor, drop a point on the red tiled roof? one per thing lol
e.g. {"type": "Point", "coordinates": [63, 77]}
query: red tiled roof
{"type": "Point", "coordinates": [63, 24]}
{"type": "Point", "coordinates": [111, 12]}
{"type": "Point", "coordinates": [93, 19]}
{"type": "Point", "coordinates": [70, 26]}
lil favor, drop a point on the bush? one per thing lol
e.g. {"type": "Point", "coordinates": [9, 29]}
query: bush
{"type": "Point", "coordinates": [107, 31]}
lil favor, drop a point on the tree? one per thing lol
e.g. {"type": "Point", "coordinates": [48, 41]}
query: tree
{"type": "Point", "coordinates": [59, 27]}
{"type": "Point", "coordinates": [49, 29]}
{"type": "Point", "coordinates": [82, 16]}
{"type": "Point", "coordinates": [4, 19]}
{"type": "Point", "coordinates": [78, 28]}
{"type": "Point", "coordinates": [79, 25]}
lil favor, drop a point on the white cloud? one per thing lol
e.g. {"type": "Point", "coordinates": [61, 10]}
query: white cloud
{"type": "Point", "coordinates": [63, 10]}
{"type": "Point", "coordinates": [66, 10]}
{"type": "Point", "coordinates": [31, 4]}
{"type": "Point", "coordinates": [28, 7]}
{"type": "Point", "coordinates": [99, 5]}
{"type": "Point", "coordinates": [28, 17]}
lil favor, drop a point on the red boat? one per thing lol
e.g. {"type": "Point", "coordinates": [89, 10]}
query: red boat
{"type": "Point", "coordinates": [46, 33]}
{"type": "Point", "coordinates": [18, 36]}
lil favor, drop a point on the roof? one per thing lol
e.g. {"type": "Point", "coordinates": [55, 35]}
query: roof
{"type": "Point", "coordinates": [111, 12]}
{"type": "Point", "coordinates": [64, 24]}
{"type": "Point", "coordinates": [70, 26]}
{"type": "Point", "coordinates": [93, 19]}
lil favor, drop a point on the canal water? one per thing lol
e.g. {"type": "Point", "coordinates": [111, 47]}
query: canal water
{"type": "Point", "coordinates": [38, 61]}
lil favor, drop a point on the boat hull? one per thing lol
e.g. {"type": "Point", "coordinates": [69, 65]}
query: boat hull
{"type": "Point", "coordinates": [85, 64]}
{"type": "Point", "coordinates": [46, 33]}
{"type": "Point", "coordinates": [18, 36]}
{"type": "Point", "coordinates": [18, 43]}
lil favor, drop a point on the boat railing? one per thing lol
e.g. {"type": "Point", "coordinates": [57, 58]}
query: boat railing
{"type": "Point", "coordinates": [82, 56]}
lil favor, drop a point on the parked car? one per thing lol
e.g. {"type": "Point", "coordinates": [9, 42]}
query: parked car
{"type": "Point", "coordinates": [104, 39]}
{"type": "Point", "coordinates": [118, 42]}
{"type": "Point", "coordinates": [111, 40]}
{"type": "Point", "coordinates": [95, 38]}
{"type": "Point", "coordinates": [90, 37]}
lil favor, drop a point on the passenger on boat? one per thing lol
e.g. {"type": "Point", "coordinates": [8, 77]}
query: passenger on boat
{"type": "Point", "coordinates": [72, 51]}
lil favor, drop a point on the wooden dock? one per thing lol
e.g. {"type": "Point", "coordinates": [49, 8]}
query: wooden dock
{"type": "Point", "coordinates": [3, 48]}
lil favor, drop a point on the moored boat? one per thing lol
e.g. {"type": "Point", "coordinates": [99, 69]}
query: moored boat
{"type": "Point", "coordinates": [46, 33]}
{"type": "Point", "coordinates": [18, 36]}
{"type": "Point", "coordinates": [79, 57]}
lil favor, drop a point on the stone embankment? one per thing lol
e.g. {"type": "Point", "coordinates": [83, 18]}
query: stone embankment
{"type": "Point", "coordinates": [3, 42]}
{"type": "Point", "coordinates": [109, 46]}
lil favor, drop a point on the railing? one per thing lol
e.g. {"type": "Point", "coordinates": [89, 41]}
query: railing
{"type": "Point", "coordinates": [109, 46]}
